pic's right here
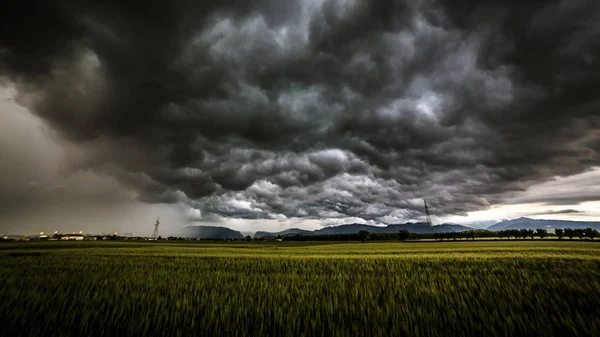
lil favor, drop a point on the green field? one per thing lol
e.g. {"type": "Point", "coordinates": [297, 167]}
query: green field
{"type": "Point", "coordinates": [485, 288]}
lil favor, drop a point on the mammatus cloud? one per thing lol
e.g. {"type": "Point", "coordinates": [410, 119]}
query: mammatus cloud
{"type": "Point", "coordinates": [314, 109]}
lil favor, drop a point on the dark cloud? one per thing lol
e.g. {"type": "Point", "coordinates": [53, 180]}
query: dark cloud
{"type": "Point", "coordinates": [38, 194]}
{"type": "Point", "coordinates": [573, 190]}
{"type": "Point", "coordinates": [568, 200]}
{"type": "Point", "coordinates": [562, 211]}
{"type": "Point", "coordinates": [316, 109]}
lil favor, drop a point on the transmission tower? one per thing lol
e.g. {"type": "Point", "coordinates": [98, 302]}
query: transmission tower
{"type": "Point", "coordinates": [428, 216]}
{"type": "Point", "coordinates": [155, 232]}
{"type": "Point", "coordinates": [6, 233]}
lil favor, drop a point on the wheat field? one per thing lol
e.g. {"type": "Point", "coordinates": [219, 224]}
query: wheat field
{"type": "Point", "coordinates": [480, 288]}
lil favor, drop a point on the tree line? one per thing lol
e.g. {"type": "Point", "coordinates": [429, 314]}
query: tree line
{"type": "Point", "coordinates": [403, 235]}
{"type": "Point", "coordinates": [581, 233]}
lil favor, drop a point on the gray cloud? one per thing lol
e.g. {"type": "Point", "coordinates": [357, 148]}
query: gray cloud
{"type": "Point", "coordinates": [573, 190]}
{"type": "Point", "coordinates": [558, 212]}
{"type": "Point", "coordinates": [38, 194]}
{"type": "Point", "coordinates": [314, 109]}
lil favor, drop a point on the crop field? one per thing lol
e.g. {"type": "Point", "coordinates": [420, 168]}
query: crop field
{"type": "Point", "coordinates": [480, 288]}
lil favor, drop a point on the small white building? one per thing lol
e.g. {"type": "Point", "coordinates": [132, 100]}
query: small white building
{"type": "Point", "coordinates": [72, 237]}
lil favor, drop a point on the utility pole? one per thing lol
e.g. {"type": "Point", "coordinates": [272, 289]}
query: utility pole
{"type": "Point", "coordinates": [428, 217]}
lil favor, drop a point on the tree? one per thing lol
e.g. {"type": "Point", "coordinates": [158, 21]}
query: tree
{"type": "Point", "coordinates": [403, 235]}
{"type": "Point", "coordinates": [542, 233]}
{"type": "Point", "coordinates": [516, 233]}
{"type": "Point", "coordinates": [507, 233]}
{"type": "Point", "coordinates": [570, 233]}
{"type": "Point", "coordinates": [248, 238]}
{"type": "Point", "coordinates": [559, 232]}
{"type": "Point", "coordinates": [591, 233]}
{"type": "Point", "coordinates": [363, 235]}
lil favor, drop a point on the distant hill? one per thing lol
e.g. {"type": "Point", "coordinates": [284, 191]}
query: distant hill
{"type": "Point", "coordinates": [481, 224]}
{"type": "Point", "coordinates": [355, 228]}
{"type": "Point", "coordinates": [422, 227]}
{"type": "Point", "coordinates": [527, 223]}
{"type": "Point", "coordinates": [209, 232]}
{"type": "Point", "coordinates": [347, 229]}
{"type": "Point", "coordinates": [291, 231]}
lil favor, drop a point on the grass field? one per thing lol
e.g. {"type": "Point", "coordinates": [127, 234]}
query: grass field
{"type": "Point", "coordinates": [485, 288]}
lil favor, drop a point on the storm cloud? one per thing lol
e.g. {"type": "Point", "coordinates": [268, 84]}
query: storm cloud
{"type": "Point", "coordinates": [316, 109]}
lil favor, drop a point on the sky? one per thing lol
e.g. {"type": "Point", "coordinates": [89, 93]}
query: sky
{"type": "Point", "coordinates": [268, 114]}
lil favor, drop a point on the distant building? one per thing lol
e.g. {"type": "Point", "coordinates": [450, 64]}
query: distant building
{"type": "Point", "coordinates": [72, 237]}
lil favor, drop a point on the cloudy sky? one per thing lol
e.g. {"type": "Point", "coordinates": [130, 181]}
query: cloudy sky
{"type": "Point", "coordinates": [269, 114]}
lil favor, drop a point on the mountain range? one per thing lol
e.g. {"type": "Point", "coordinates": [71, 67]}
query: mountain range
{"type": "Point", "coordinates": [527, 223]}
{"type": "Point", "coordinates": [208, 232]}
{"type": "Point", "coordinates": [355, 228]}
